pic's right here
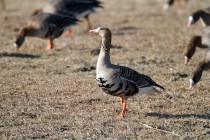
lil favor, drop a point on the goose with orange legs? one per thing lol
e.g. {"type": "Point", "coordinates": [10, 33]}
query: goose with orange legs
{"type": "Point", "coordinates": [116, 80]}
{"type": "Point", "coordinates": [46, 26]}
{"type": "Point", "coordinates": [77, 8]}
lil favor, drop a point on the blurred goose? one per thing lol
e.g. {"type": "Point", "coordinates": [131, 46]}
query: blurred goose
{"type": "Point", "coordinates": [204, 15]}
{"type": "Point", "coordinates": [170, 3]}
{"type": "Point", "coordinates": [189, 50]}
{"type": "Point", "coordinates": [47, 26]}
{"type": "Point", "coordinates": [119, 80]}
{"type": "Point", "coordinates": [202, 66]}
{"type": "Point", "coordinates": [78, 8]}
{"type": "Point", "coordinates": [205, 63]}
{"type": "Point", "coordinates": [197, 41]}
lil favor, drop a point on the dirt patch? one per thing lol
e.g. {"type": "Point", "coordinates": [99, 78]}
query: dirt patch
{"type": "Point", "coordinates": [54, 95]}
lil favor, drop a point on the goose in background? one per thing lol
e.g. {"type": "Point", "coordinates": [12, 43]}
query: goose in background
{"type": "Point", "coordinates": [204, 15]}
{"type": "Point", "coordinates": [189, 50]}
{"type": "Point", "coordinates": [77, 8]}
{"type": "Point", "coordinates": [117, 80]}
{"type": "Point", "coordinates": [46, 26]}
{"type": "Point", "coordinates": [170, 3]}
{"type": "Point", "coordinates": [205, 63]}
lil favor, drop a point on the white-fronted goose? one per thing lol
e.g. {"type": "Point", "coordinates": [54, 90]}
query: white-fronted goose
{"type": "Point", "coordinates": [189, 50]}
{"type": "Point", "coordinates": [204, 15]}
{"type": "Point", "coordinates": [197, 41]}
{"type": "Point", "coordinates": [78, 8]}
{"type": "Point", "coordinates": [169, 3]}
{"type": "Point", "coordinates": [119, 80]}
{"type": "Point", "coordinates": [202, 66]}
{"type": "Point", "coordinates": [47, 26]}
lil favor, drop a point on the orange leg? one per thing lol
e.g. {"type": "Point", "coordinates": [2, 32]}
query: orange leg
{"type": "Point", "coordinates": [68, 33]}
{"type": "Point", "coordinates": [50, 44]}
{"type": "Point", "coordinates": [124, 110]}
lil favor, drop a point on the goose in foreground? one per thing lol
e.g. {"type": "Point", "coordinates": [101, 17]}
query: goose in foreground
{"type": "Point", "coordinates": [45, 25]}
{"type": "Point", "coordinates": [197, 41]}
{"type": "Point", "coordinates": [117, 80]}
{"type": "Point", "coordinates": [202, 66]}
{"type": "Point", "coordinates": [204, 15]}
{"type": "Point", "coordinates": [78, 8]}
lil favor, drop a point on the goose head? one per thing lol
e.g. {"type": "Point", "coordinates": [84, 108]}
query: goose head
{"type": "Point", "coordinates": [102, 32]}
{"type": "Point", "coordinates": [106, 36]}
{"type": "Point", "coordinates": [192, 83]}
{"type": "Point", "coordinates": [20, 39]}
{"type": "Point", "coordinates": [194, 17]}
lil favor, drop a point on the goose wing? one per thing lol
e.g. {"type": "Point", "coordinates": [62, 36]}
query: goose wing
{"type": "Point", "coordinates": [140, 80]}
{"type": "Point", "coordinates": [60, 22]}
{"type": "Point", "coordinates": [74, 7]}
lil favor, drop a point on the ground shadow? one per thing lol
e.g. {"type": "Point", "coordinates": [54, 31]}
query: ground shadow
{"type": "Point", "coordinates": [178, 116]}
{"type": "Point", "coordinates": [19, 55]}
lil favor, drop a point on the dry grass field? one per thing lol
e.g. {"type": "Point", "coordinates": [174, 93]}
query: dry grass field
{"type": "Point", "coordinates": [54, 95]}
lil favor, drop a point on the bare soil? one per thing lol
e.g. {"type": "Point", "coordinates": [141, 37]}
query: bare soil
{"type": "Point", "coordinates": [53, 95]}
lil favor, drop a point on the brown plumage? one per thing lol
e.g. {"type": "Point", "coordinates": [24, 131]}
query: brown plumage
{"type": "Point", "coordinates": [189, 50]}
{"type": "Point", "coordinates": [118, 80]}
{"type": "Point", "coordinates": [204, 15]}
{"type": "Point", "coordinates": [45, 26]}
{"type": "Point", "coordinates": [202, 66]}
{"type": "Point", "coordinates": [77, 8]}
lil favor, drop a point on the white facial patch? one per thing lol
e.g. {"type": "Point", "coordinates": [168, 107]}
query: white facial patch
{"type": "Point", "coordinates": [191, 20]}
{"type": "Point", "coordinates": [192, 83]}
{"type": "Point", "coordinates": [166, 6]}
{"type": "Point", "coordinates": [95, 30]}
{"type": "Point", "coordinates": [15, 45]}
{"type": "Point", "coordinates": [98, 29]}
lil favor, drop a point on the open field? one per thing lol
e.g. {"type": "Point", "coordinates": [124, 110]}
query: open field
{"type": "Point", "coordinates": [54, 95]}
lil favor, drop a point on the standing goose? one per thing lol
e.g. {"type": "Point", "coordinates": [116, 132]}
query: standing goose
{"type": "Point", "coordinates": [119, 80]}
{"type": "Point", "coordinates": [197, 41]}
{"type": "Point", "coordinates": [45, 25]}
{"type": "Point", "coordinates": [204, 15]}
{"type": "Point", "coordinates": [78, 8]}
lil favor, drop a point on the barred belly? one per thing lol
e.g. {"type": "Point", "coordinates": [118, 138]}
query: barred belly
{"type": "Point", "coordinates": [124, 88]}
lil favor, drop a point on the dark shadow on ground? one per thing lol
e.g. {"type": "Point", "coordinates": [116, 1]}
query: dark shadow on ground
{"type": "Point", "coordinates": [19, 55]}
{"type": "Point", "coordinates": [178, 116]}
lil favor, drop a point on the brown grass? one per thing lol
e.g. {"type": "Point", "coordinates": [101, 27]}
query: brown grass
{"type": "Point", "coordinates": [53, 95]}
